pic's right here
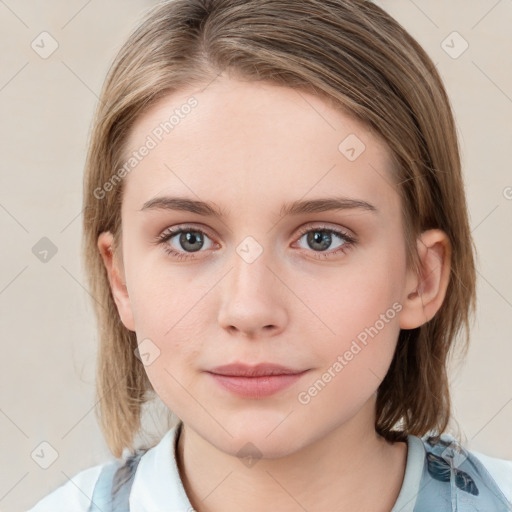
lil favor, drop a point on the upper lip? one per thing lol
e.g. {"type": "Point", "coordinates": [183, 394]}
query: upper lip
{"type": "Point", "coordinates": [259, 370]}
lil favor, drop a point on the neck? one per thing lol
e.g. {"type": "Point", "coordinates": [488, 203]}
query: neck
{"type": "Point", "coordinates": [333, 472]}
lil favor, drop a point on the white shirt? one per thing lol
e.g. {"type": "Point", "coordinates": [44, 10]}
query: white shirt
{"type": "Point", "coordinates": [157, 486]}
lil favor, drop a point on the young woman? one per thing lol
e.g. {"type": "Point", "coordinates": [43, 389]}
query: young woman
{"type": "Point", "coordinates": [276, 235]}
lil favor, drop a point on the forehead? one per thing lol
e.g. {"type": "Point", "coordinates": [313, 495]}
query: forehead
{"type": "Point", "coordinates": [244, 143]}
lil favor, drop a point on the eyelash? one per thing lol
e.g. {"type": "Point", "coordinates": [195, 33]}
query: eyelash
{"type": "Point", "coordinates": [162, 239]}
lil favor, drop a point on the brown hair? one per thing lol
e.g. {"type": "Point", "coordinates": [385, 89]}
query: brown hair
{"type": "Point", "coordinates": [355, 56]}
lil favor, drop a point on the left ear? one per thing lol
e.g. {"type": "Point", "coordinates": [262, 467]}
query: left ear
{"type": "Point", "coordinates": [424, 293]}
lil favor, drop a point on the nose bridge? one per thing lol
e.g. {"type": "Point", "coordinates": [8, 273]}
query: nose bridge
{"type": "Point", "coordinates": [251, 302]}
{"type": "Point", "coordinates": [254, 248]}
{"type": "Point", "coordinates": [251, 263]}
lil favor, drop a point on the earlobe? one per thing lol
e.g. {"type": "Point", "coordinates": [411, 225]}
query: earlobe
{"type": "Point", "coordinates": [116, 278]}
{"type": "Point", "coordinates": [425, 293]}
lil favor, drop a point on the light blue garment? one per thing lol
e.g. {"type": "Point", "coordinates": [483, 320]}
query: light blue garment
{"type": "Point", "coordinates": [112, 490]}
{"type": "Point", "coordinates": [452, 480]}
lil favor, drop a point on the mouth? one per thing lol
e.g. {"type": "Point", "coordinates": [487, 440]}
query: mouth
{"type": "Point", "coordinates": [259, 370]}
{"type": "Point", "coordinates": [256, 382]}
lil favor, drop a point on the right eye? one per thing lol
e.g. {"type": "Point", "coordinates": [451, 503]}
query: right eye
{"type": "Point", "coordinates": [189, 239]}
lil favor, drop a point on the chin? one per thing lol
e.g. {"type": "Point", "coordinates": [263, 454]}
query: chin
{"type": "Point", "coordinates": [260, 435]}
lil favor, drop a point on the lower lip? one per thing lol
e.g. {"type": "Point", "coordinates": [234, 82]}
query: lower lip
{"type": "Point", "coordinates": [256, 387]}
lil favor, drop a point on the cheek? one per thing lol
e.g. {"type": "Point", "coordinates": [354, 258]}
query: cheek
{"type": "Point", "coordinates": [162, 298]}
{"type": "Point", "coordinates": [359, 312]}
{"type": "Point", "coordinates": [162, 313]}
{"type": "Point", "coordinates": [166, 316]}
{"type": "Point", "coordinates": [352, 362]}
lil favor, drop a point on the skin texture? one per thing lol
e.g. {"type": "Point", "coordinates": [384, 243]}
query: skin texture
{"type": "Point", "coordinates": [249, 148]}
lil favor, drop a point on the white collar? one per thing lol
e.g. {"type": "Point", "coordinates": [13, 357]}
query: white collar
{"type": "Point", "coordinates": [157, 485]}
{"type": "Point", "coordinates": [412, 477]}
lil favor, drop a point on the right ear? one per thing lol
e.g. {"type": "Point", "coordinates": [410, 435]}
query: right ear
{"type": "Point", "coordinates": [115, 270]}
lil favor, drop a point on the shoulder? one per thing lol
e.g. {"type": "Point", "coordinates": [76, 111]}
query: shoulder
{"type": "Point", "coordinates": [155, 484]}
{"type": "Point", "coordinates": [75, 495]}
{"type": "Point", "coordinates": [466, 476]}
{"type": "Point", "coordinates": [500, 470]}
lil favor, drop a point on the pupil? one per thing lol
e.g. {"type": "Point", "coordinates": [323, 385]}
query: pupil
{"type": "Point", "coordinates": [190, 238]}
{"type": "Point", "coordinates": [317, 237]}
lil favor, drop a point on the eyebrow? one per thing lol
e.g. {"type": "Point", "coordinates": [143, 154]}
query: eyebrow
{"type": "Point", "coordinates": [294, 208]}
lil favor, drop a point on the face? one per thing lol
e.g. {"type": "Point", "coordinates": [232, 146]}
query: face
{"type": "Point", "coordinates": [314, 289]}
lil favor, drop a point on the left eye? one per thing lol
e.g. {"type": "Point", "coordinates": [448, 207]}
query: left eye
{"type": "Point", "coordinates": [323, 238]}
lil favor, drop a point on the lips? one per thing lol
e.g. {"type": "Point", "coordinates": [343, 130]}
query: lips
{"type": "Point", "coordinates": [255, 382]}
{"type": "Point", "coordinates": [259, 370]}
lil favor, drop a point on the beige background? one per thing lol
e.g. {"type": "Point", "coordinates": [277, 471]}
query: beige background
{"type": "Point", "coordinates": [47, 326]}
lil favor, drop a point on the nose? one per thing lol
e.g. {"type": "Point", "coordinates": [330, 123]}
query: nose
{"type": "Point", "coordinates": [253, 298]}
